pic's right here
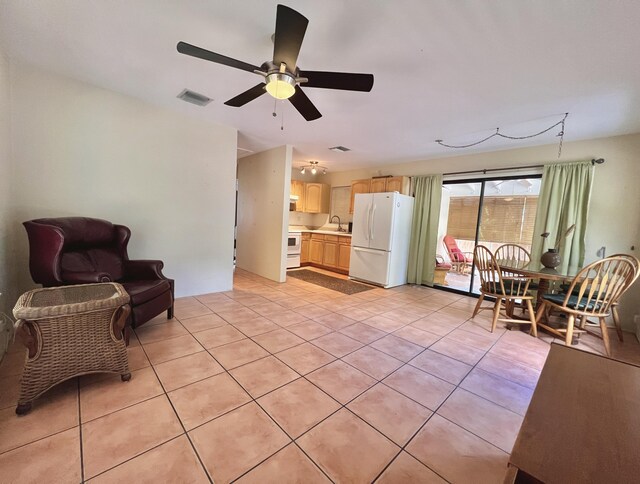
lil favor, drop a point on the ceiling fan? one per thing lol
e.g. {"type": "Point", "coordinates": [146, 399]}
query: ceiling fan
{"type": "Point", "coordinates": [282, 78]}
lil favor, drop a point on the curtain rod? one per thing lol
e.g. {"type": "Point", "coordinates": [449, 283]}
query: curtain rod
{"type": "Point", "coordinates": [594, 161]}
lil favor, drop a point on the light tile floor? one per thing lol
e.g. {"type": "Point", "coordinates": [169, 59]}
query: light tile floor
{"type": "Point", "coordinates": [290, 383]}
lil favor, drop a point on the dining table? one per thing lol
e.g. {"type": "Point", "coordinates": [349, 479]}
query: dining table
{"type": "Point", "coordinates": [535, 270]}
{"type": "Point", "coordinates": [545, 276]}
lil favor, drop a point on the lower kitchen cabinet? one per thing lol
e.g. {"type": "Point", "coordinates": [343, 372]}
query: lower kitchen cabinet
{"type": "Point", "coordinates": [330, 257]}
{"type": "Point", "coordinates": [330, 252]}
{"type": "Point", "coordinates": [316, 251]}
{"type": "Point", "coordinates": [304, 250]}
{"type": "Point", "coordinates": [344, 256]}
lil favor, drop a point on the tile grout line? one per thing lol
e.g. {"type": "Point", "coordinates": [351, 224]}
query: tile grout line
{"type": "Point", "coordinates": [80, 431]}
{"type": "Point", "coordinates": [254, 400]}
{"type": "Point", "coordinates": [441, 416]}
{"type": "Point", "coordinates": [404, 304]}
{"type": "Point", "coordinates": [176, 412]}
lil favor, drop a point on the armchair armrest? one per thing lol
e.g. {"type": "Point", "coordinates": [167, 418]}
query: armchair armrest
{"type": "Point", "coordinates": [143, 269]}
{"type": "Point", "coordinates": [85, 277]}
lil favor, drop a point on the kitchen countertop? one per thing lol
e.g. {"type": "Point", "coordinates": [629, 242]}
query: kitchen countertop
{"type": "Point", "coordinates": [326, 232]}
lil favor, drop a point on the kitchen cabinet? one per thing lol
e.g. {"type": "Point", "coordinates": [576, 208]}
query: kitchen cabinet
{"type": "Point", "coordinates": [401, 184]}
{"type": "Point", "coordinates": [316, 250]}
{"type": "Point", "coordinates": [344, 253]}
{"type": "Point", "coordinates": [298, 190]}
{"type": "Point", "coordinates": [304, 249]}
{"type": "Point", "coordinates": [359, 186]}
{"type": "Point", "coordinates": [330, 255]}
{"type": "Point", "coordinates": [326, 251]}
{"type": "Point", "coordinates": [316, 198]}
{"type": "Point", "coordinates": [378, 185]}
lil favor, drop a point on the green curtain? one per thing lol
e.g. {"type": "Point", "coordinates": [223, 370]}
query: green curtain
{"type": "Point", "coordinates": [564, 201]}
{"type": "Point", "coordinates": [424, 229]}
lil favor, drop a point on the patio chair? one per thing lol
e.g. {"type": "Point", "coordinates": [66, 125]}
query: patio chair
{"type": "Point", "coordinates": [592, 293]}
{"type": "Point", "coordinates": [460, 261]}
{"type": "Point", "coordinates": [503, 286]}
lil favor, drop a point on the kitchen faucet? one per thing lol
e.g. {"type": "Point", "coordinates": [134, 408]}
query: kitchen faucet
{"type": "Point", "coordinates": [340, 229]}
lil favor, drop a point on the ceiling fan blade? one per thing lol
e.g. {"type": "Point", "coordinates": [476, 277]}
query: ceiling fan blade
{"type": "Point", "coordinates": [247, 96]}
{"type": "Point", "coordinates": [304, 105]}
{"type": "Point", "coordinates": [338, 80]}
{"type": "Point", "coordinates": [290, 29]}
{"type": "Point", "coordinates": [194, 51]}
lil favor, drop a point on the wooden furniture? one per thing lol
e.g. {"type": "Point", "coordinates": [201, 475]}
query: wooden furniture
{"type": "Point", "coordinates": [503, 286]}
{"type": "Point", "coordinates": [441, 270]}
{"type": "Point", "coordinates": [344, 254]}
{"type": "Point", "coordinates": [535, 270]}
{"type": "Point", "coordinates": [582, 424]}
{"type": "Point", "coordinates": [461, 262]}
{"type": "Point", "coordinates": [312, 197]}
{"type": "Point", "coordinates": [359, 186]}
{"type": "Point", "coordinates": [316, 198]}
{"type": "Point", "coordinates": [332, 252]}
{"type": "Point", "coordinates": [316, 249]}
{"type": "Point", "coordinates": [591, 294]}
{"type": "Point", "coordinates": [304, 247]}
{"type": "Point", "coordinates": [70, 331]}
{"type": "Point", "coordinates": [401, 184]}
{"type": "Point", "coordinates": [513, 253]}
{"type": "Point", "coordinates": [298, 190]}
{"type": "Point", "coordinates": [614, 307]}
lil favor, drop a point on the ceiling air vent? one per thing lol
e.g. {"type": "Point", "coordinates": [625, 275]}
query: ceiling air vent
{"type": "Point", "coordinates": [194, 98]}
{"type": "Point", "coordinates": [339, 149]}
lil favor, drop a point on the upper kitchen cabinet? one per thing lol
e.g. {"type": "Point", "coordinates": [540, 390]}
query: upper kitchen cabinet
{"type": "Point", "coordinates": [359, 186]}
{"type": "Point", "coordinates": [401, 184]}
{"type": "Point", "coordinates": [316, 198]}
{"type": "Point", "coordinates": [297, 190]}
{"type": "Point", "coordinates": [378, 185]}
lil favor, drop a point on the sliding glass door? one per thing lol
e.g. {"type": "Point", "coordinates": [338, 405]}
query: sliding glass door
{"type": "Point", "coordinates": [490, 212]}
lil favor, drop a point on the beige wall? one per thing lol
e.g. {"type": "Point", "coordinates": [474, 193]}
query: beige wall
{"type": "Point", "coordinates": [78, 150]}
{"type": "Point", "coordinates": [614, 218]}
{"type": "Point", "coordinates": [6, 267]}
{"type": "Point", "coordinates": [264, 184]}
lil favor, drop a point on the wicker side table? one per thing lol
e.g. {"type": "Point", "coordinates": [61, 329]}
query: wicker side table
{"type": "Point", "coordinates": [70, 331]}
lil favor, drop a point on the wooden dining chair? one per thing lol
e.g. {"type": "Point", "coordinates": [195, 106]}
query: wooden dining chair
{"type": "Point", "coordinates": [614, 307]}
{"type": "Point", "coordinates": [503, 286]}
{"type": "Point", "coordinates": [592, 293]}
{"type": "Point", "coordinates": [516, 255]}
{"type": "Point", "coordinates": [513, 253]}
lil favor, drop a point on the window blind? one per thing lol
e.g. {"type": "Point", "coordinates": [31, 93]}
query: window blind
{"type": "Point", "coordinates": [505, 219]}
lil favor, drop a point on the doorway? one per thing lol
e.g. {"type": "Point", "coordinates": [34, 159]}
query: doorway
{"type": "Point", "coordinates": [488, 211]}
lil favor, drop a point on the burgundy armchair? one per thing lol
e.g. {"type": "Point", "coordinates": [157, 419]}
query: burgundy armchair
{"type": "Point", "coordinates": [79, 250]}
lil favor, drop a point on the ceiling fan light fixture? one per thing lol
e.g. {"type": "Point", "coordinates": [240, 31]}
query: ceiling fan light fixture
{"type": "Point", "coordinates": [313, 170]}
{"type": "Point", "coordinates": [281, 85]}
{"type": "Point", "coordinates": [302, 170]}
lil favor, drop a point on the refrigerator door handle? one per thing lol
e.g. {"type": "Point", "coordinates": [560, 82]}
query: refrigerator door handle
{"type": "Point", "coordinates": [368, 231]}
{"type": "Point", "coordinates": [373, 217]}
{"type": "Point", "coordinates": [369, 251]}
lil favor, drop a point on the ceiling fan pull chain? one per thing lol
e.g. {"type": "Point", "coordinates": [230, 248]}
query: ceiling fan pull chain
{"type": "Point", "coordinates": [282, 120]}
{"type": "Point", "coordinates": [275, 105]}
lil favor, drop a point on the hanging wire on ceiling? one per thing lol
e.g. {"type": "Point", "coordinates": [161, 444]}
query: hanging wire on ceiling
{"type": "Point", "coordinates": [560, 134]}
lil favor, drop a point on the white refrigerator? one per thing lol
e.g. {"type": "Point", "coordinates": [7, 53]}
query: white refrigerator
{"type": "Point", "coordinates": [380, 238]}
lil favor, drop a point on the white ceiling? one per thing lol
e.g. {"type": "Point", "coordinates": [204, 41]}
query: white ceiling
{"type": "Point", "coordinates": [446, 69]}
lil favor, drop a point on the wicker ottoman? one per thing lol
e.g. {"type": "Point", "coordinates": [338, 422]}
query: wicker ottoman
{"type": "Point", "coordinates": [70, 331]}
